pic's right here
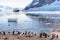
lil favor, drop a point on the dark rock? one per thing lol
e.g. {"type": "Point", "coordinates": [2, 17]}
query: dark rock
{"type": "Point", "coordinates": [16, 10]}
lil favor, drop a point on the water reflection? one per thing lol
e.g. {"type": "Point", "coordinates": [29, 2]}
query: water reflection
{"type": "Point", "coordinates": [26, 23]}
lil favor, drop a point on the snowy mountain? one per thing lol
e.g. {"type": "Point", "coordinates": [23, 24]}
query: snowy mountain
{"type": "Point", "coordinates": [51, 5]}
{"type": "Point", "coordinates": [5, 8]}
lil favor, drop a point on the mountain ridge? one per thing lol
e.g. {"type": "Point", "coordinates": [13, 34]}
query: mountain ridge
{"type": "Point", "coordinates": [53, 6]}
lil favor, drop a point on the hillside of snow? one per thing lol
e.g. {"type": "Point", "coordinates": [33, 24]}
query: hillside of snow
{"type": "Point", "coordinates": [55, 6]}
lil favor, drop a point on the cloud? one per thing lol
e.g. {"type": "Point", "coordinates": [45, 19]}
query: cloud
{"type": "Point", "coordinates": [15, 3]}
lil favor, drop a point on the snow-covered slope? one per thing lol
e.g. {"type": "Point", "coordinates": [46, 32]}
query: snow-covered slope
{"type": "Point", "coordinates": [55, 6]}
{"type": "Point", "coordinates": [5, 8]}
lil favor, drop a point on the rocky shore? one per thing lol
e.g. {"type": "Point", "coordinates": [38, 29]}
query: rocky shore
{"type": "Point", "coordinates": [16, 35]}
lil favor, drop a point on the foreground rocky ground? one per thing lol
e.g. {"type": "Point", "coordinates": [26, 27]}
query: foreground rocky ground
{"type": "Point", "coordinates": [28, 36]}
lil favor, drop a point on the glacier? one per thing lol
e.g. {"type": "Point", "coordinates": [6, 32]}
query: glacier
{"type": "Point", "coordinates": [55, 6]}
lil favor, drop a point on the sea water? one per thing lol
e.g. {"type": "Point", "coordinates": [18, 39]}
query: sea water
{"type": "Point", "coordinates": [24, 23]}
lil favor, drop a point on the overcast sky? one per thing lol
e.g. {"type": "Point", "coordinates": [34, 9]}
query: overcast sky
{"type": "Point", "coordinates": [15, 3]}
